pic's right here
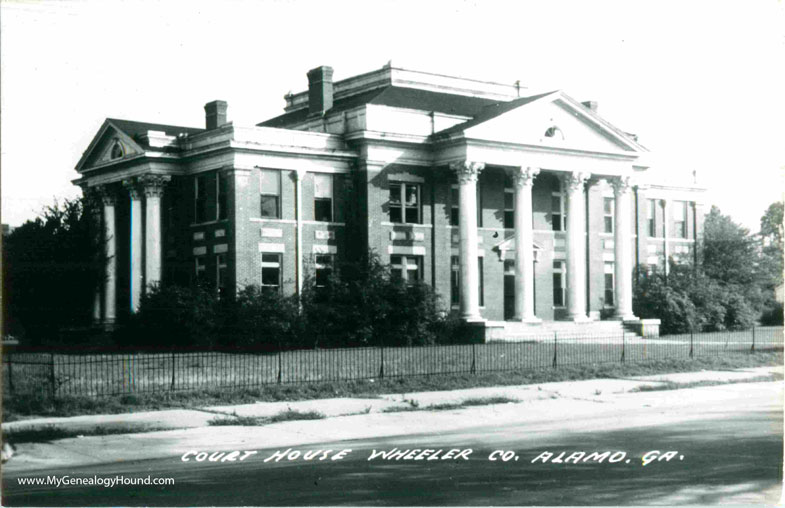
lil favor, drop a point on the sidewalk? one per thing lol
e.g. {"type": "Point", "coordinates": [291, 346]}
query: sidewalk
{"type": "Point", "coordinates": [540, 408]}
{"type": "Point", "coordinates": [597, 390]}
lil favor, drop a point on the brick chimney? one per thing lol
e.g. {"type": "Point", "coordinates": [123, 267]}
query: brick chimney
{"type": "Point", "coordinates": [215, 114]}
{"type": "Point", "coordinates": [320, 89]}
{"type": "Point", "coordinates": [592, 105]}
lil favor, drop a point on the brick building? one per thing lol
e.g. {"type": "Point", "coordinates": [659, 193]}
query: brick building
{"type": "Point", "coordinates": [517, 207]}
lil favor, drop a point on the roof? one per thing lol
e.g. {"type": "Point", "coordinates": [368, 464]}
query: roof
{"type": "Point", "coordinates": [136, 130]}
{"type": "Point", "coordinates": [395, 96]}
{"type": "Point", "coordinates": [492, 111]}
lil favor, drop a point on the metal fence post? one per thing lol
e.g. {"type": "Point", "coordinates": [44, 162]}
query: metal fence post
{"type": "Point", "coordinates": [52, 379]}
{"type": "Point", "coordinates": [279, 365]}
{"type": "Point", "coordinates": [174, 359]}
{"type": "Point", "coordinates": [753, 340]}
{"type": "Point", "coordinates": [473, 368]}
{"type": "Point", "coordinates": [381, 362]}
{"type": "Point", "coordinates": [623, 344]}
{"type": "Point", "coordinates": [691, 343]}
{"type": "Point", "coordinates": [10, 373]}
{"type": "Point", "coordinates": [555, 352]}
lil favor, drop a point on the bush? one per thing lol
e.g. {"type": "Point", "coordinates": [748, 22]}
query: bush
{"type": "Point", "coordinates": [172, 316]}
{"type": "Point", "coordinates": [655, 299]}
{"type": "Point", "coordinates": [360, 304]}
{"type": "Point", "coordinates": [772, 314]}
{"type": "Point", "coordinates": [260, 319]}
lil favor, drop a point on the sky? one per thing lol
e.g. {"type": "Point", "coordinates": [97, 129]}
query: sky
{"type": "Point", "coordinates": [701, 83]}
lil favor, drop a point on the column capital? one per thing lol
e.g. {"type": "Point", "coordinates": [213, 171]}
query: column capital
{"type": "Point", "coordinates": [524, 176]}
{"type": "Point", "coordinates": [153, 185]}
{"type": "Point", "coordinates": [133, 188]}
{"type": "Point", "coordinates": [576, 180]}
{"type": "Point", "coordinates": [622, 184]}
{"type": "Point", "coordinates": [106, 194]}
{"type": "Point", "coordinates": [467, 171]}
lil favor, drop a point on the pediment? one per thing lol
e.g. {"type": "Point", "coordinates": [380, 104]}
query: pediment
{"type": "Point", "coordinates": [554, 120]}
{"type": "Point", "coordinates": [506, 248]}
{"type": "Point", "coordinates": [109, 145]}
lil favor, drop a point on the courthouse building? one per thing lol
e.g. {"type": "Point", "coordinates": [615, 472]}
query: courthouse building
{"type": "Point", "coordinates": [519, 208]}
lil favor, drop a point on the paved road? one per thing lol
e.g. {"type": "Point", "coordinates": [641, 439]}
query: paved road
{"type": "Point", "coordinates": [728, 439]}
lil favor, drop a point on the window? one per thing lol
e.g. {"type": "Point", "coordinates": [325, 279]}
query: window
{"type": "Point", "coordinates": [558, 219]}
{"type": "Point", "coordinates": [220, 275]}
{"type": "Point", "coordinates": [222, 191]}
{"type": "Point", "coordinates": [200, 199]}
{"type": "Point", "coordinates": [406, 268]}
{"type": "Point", "coordinates": [509, 208]}
{"type": "Point", "coordinates": [607, 210]}
{"type": "Point", "coordinates": [271, 272]}
{"type": "Point", "coordinates": [554, 132]}
{"type": "Point", "coordinates": [651, 216]}
{"type": "Point", "coordinates": [559, 273]}
{"type": "Point", "coordinates": [405, 203]}
{"type": "Point", "coordinates": [323, 197]}
{"type": "Point", "coordinates": [117, 150]}
{"type": "Point", "coordinates": [270, 191]}
{"type": "Point", "coordinates": [608, 293]}
{"type": "Point", "coordinates": [201, 271]}
{"type": "Point", "coordinates": [481, 281]}
{"type": "Point", "coordinates": [323, 264]}
{"type": "Point", "coordinates": [455, 205]}
{"type": "Point", "coordinates": [680, 219]}
{"type": "Point", "coordinates": [455, 280]}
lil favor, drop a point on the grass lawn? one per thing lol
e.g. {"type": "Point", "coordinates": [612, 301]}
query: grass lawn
{"type": "Point", "coordinates": [100, 375]}
{"type": "Point", "coordinates": [30, 405]}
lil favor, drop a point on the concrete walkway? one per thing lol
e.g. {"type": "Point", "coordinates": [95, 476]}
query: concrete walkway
{"type": "Point", "coordinates": [592, 389]}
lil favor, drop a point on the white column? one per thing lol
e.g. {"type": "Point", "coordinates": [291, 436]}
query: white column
{"type": "Point", "coordinates": [523, 179]}
{"type": "Point", "coordinates": [110, 248]}
{"type": "Point", "coordinates": [576, 246]}
{"type": "Point", "coordinates": [467, 173]}
{"type": "Point", "coordinates": [153, 186]}
{"type": "Point", "coordinates": [137, 243]}
{"type": "Point", "coordinates": [298, 244]}
{"type": "Point", "coordinates": [622, 245]}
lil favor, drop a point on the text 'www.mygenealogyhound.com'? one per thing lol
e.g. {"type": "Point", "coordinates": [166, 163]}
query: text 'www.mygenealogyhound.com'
{"type": "Point", "coordinates": [93, 481]}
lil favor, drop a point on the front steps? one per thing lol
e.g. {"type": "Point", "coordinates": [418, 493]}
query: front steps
{"type": "Point", "coordinates": [602, 331]}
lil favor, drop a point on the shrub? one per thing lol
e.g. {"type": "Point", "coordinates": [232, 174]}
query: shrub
{"type": "Point", "coordinates": [772, 314]}
{"type": "Point", "coordinates": [260, 319]}
{"type": "Point", "coordinates": [172, 316]}
{"type": "Point", "coordinates": [655, 299]}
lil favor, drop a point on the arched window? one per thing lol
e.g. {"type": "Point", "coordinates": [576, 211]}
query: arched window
{"type": "Point", "coordinates": [117, 150]}
{"type": "Point", "coordinates": [555, 133]}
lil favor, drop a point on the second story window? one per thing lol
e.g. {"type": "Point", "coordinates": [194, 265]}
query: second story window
{"type": "Point", "coordinates": [651, 216]}
{"type": "Point", "coordinates": [557, 212]}
{"type": "Point", "coordinates": [200, 199]}
{"type": "Point", "coordinates": [404, 204]}
{"type": "Point", "coordinates": [607, 212]}
{"type": "Point", "coordinates": [221, 275]}
{"type": "Point", "coordinates": [680, 219]}
{"type": "Point", "coordinates": [222, 191]}
{"type": "Point", "coordinates": [509, 208]}
{"type": "Point", "coordinates": [323, 197]}
{"type": "Point", "coordinates": [270, 193]}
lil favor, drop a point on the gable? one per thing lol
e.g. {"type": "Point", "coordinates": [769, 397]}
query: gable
{"type": "Point", "coordinates": [555, 121]}
{"type": "Point", "coordinates": [109, 145]}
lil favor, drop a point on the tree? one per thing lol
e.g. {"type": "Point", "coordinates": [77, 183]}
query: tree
{"type": "Point", "coordinates": [52, 267]}
{"type": "Point", "coordinates": [771, 236]}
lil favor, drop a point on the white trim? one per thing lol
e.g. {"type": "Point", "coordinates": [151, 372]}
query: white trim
{"type": "Point", "coordinates": [278, 248]}
{"type": "Point", "coordinates": [220, 248]}
{"type": "Point", "coordinates": [200, 251]}
{"type": "Point", "coordinates": [324, 249]}
{"type": "Point", "coordinates": [199, 235]}
{"type": "Point", "coordinates": [405, 250]}
{"type": "Point", "coordinates": [272, 233]}
{"type": "Point", "coordinates": [279, 221]}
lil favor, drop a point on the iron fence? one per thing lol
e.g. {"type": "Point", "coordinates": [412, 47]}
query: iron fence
{"type": "Point", "coordinates": [95, 374]}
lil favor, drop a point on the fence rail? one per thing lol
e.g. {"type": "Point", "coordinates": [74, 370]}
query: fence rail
{"type": "Point", "coordinates": [95, 374]}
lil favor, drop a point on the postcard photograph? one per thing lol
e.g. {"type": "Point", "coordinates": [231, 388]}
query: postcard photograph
{"type": "Point", "coordinates": [392, 253]}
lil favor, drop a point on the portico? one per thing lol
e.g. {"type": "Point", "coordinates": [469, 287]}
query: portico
{"type": "Point", "coordinates": [145, 244]}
